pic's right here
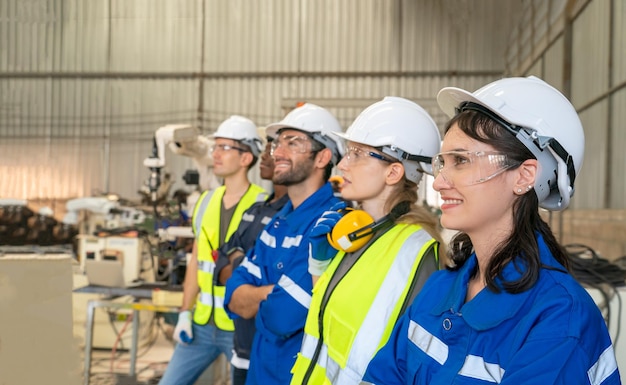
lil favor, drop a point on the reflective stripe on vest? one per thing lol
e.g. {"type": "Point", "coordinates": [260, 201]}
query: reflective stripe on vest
{"type": "Point", "coordinates": [206, 266]}
{"type": "Point", "coordinates": [209, 300]}
{"type": "Point", "coordinates": [211, 295]}
{"type": "Point", "coordinates": [348, 348]}
{"type": "Point", "coordinates": [199, 210]}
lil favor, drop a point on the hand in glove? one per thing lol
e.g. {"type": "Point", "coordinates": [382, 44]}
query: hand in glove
{"type": "Point", "coordinates": [182, 332]}
{"type": "Point", "coordinates": [320, 251]}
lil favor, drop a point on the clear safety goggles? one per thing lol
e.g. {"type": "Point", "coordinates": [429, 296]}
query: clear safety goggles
{"type": "Point", "coordinates": [465, 168]}
{"type": "Point", "coordinates": [226, 147]}
{"type": "Point", "coordinates": [355, 155]}
{"type": "Point", "coordinates": [291, 143]}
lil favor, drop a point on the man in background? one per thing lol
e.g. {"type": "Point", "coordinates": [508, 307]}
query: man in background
{"type": "Point", "coordinates": [231, 255]}
{"type": "Point", "coordinates": [216, 216]}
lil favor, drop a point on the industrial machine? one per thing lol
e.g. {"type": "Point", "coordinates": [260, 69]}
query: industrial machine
{"type": "Point", "coordinates": [21, 226]}
{"type": "Point", "coordinates": [100, 213]}
{"type": "Point", "coordinates": [185, 140]}
{"type": "Point", "coordinates": [109, 232]}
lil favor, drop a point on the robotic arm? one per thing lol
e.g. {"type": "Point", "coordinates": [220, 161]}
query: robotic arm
{"type": "Point", "coordinates": [185, 140]}
{"type": "Point", "coordinates": [98, 205]}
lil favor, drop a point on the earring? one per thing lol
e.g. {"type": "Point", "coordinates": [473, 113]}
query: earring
{"type": "Point", "coordinates": [529, 188]}
{"type": "Point", "coordinates": [519, 190]}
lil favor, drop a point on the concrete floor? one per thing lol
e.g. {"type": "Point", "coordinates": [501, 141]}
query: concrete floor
{"type": "Point", "coordinates": [112, 368]}
{"type": "Point", "coordinates": [109, 368]}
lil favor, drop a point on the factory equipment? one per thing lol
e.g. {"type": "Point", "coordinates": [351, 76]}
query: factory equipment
{"type": "Point", "coordinates": [109, 232]}
{"type": "Point", "coordinates": [185, 140]}
{"type": "Point", "coordinates": [102, 213]}
{"type": "Point", "coordinates": [20, 226]}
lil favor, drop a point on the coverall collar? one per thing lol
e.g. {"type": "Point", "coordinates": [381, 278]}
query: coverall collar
{"type": "Point", "coordinates": [488, 309]}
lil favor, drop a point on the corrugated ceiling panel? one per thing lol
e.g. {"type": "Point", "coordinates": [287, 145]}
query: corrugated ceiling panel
{"type": "Point", "coordinates": [618, 160]}
{"type": "Point", "coordinates": [456, 35]}
{"type": "Point", "coordinates": [27, 30]}
{"type": "Point", "coordinates": [590, 56]}
{"type": "Point", "coordinates": [525, 44]}
{"type": "Point", "coordinates": [156, 36]}
{"type": "Point", "coordinates": [619, 42]}
{"type": "Point", "coordinates": [102, 127]}
{"type": "Point", "coordinates": [358, 35]}
{"type": "Point", "coordinates": [553, 64]}
{"type": "Point", "coordinates": [251, 36]}
{"type": "Point", "coordinates": [591, 181]}
{"type": "Point", "coordinates": [85, 36]}
{"type": "Point", "coordinates": [557, 7]}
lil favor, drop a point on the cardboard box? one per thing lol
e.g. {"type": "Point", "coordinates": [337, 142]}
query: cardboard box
{"type": "Point", "coordinates": [36, 341]}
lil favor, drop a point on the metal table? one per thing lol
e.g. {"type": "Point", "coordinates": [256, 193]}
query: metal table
{"type": "Point", "coordinates": [140, 292]}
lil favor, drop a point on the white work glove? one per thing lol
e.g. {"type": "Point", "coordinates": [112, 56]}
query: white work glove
{"type": "Point", "coordinates": [182, 333]}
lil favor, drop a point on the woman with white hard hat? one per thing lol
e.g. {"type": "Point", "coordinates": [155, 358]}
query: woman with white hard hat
{"type": "Point", "coordinates": [388, 247]}
{"type": "Point", "coordinates": [507, 311]}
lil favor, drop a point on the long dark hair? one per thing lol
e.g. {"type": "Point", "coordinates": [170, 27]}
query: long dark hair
{"type": "Point", "coordinates": [521, 245]}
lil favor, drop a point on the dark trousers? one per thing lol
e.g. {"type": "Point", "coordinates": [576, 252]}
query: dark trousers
{"type": "Point", "coordinates": [239, 376]}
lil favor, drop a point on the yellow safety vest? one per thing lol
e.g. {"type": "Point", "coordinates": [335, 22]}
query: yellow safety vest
{"type": "Point", "coordinates": [206, 224]}
{"type": "Point", "coordinates": [363, 308]}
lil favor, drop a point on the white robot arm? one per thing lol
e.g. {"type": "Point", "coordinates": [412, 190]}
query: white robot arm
{"type": "Point", "coordinates": [176, 136]}
{"type": "Point", "coordinates": [185, 140]}
{"type": "Point", "coordinates": [98, 205]}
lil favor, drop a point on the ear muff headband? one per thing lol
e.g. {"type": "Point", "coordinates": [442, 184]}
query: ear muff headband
{"type": "Point", "coordinates": [341, 238]}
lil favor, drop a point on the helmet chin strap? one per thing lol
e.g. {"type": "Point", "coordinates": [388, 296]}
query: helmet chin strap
{"type": "Point", "coordinates": [566, 190]}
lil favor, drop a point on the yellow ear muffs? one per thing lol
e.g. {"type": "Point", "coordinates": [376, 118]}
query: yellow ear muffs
{"type": "Point", "coordinates": [357, 227]}
{"type": "Point", "coordinates": [352, 231]}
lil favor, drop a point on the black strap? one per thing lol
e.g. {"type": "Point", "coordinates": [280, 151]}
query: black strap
{"type": "Point", "coordinates": [383, 223]}
{"type": "Point", "coordinates": [428, 265]}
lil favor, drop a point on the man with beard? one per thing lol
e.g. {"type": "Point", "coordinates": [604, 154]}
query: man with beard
{"type": "Point", "coordinates": [273, 283]}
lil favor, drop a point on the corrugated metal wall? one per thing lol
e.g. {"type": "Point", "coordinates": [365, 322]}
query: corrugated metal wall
{"type": "Point", "coordinates": [84, 85]}
{"type": "Point", "coordinates": [579, 47]}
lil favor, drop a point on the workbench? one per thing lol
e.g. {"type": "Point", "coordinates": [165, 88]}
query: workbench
{"type": "Point", "coordinates": [142, 292]}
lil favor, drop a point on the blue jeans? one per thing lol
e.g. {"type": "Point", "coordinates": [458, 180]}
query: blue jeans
{"type": "Point", "coordinates": [189, 361]}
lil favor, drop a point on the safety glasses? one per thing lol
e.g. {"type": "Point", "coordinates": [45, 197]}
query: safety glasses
{"type": "Point", "coordinates": [291, 143]}
{"type": "Point", "coordinates": [226, 147]}
{"type": "Point", "coordinates": [355, 155]}
{"type": "Point", "coordinates": [466, 168]}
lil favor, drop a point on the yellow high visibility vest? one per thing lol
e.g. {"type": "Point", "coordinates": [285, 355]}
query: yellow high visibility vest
{"type": "Point", "coordinates": [362, 309]}
{"type": "Point", "coordinates": [206, 223]}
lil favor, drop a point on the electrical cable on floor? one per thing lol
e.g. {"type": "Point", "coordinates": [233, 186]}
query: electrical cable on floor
{"type": "Point", "coordinates": [112, 318]}
{"type": "Point", "coordinates": [594, 271]}
{"type": "Point", "coordinates": [119, 338]}
{"type": "Point", "coordinates": [152, 338]}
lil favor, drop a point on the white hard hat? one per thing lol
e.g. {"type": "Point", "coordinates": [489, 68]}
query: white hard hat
{"type": "Point", "coordinates": [403, 129]}
{"type": "Point", "coordinates": [542, 119]}
{"type": "Point", "coordinates": [317, 122]}
{"type": "Point", "coordinates": [240, 129]}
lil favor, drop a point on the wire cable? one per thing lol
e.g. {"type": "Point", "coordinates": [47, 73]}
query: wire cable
{"type": "Point", "coordinates": [596, 272]}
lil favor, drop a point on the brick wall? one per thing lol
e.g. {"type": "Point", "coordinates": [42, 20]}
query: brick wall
{"type": "Point", "coordinates": [602, 230]}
